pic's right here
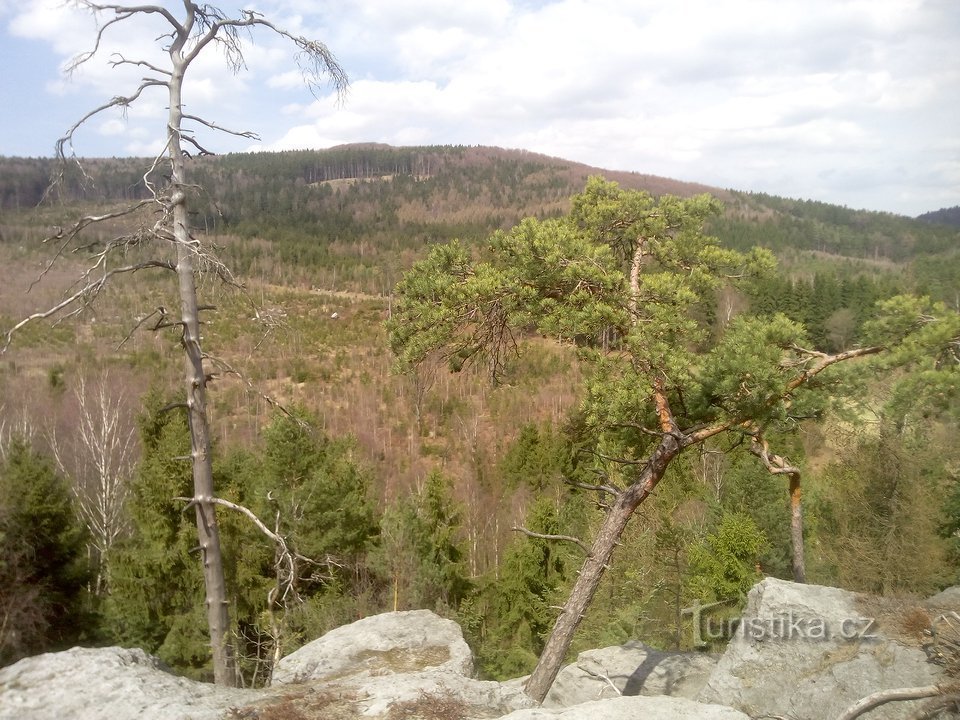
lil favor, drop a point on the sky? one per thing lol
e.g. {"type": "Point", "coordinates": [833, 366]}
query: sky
{"type": "Point", "coordinates": [852, 102]}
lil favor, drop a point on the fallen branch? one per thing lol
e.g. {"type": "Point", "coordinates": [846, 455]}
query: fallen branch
{"type": "Point", "coordinates": [883, 697]}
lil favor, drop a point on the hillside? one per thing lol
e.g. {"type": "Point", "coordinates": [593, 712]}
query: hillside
{"type": "Point", "coordinates": [353, 217]}
{"type": "Point", "coordinates": [318, 241]}
{"type": "Point", "coordinates": [314, 233]}
{"type": "Point", "coordinates": [945, 216]}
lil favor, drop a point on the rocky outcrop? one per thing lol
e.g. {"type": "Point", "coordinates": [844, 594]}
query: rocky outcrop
{"type": "Point", "coordinates": [801, 651]}
{"type": "Point", "coordinates": [412, 659]}
{"type": "Point", "coordinates": [114, 683]}
{"type": "Point", "coordinates": [629, 669]}
{"type": "Point", "coordinates": [809, 652]}
{"type": "Point", "coordinates": [396, 642]}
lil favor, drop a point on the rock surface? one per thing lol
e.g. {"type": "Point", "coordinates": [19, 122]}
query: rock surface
{"type": "Point", "coordinates": [808, 652]}
{"type": "Point", "coordinates": [395, 642]}
{"type": "Point", "coordinates": [115, 683]}
{"type": "Point", "coordinates": [629, 669]}
{"type": "Point", "coordinates": [633, 708]}
{"type": "Point", "coordinates": [411, 659]}
{"type": "Point", "coordinates": [801, 652]}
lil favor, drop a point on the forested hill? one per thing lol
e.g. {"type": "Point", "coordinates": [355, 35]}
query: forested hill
{"type": "Point", "coordinates": [412, 485]}
{"type": "Point", "coordinates": [944, 216]}
{"type": "Point", "coordinates": [353, 217]}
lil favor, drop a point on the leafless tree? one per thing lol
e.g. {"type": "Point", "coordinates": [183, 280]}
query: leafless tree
{"type": "Point", "coordinates": [162, 226]}
{"type": "Point", "coordinates": [99, 458]}
{"type": "Point", "coordinates": [14, 426]}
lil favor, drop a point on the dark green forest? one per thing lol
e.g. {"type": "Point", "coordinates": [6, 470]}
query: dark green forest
{"type": "Point", "coordinates": [400, 485]}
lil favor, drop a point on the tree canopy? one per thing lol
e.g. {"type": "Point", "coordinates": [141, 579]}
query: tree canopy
{"type": "Point", "coordinates": [630, 280]}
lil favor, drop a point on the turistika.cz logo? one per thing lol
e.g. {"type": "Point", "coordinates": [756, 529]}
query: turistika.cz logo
{"type": "Point", "coordinates": [787, 626]}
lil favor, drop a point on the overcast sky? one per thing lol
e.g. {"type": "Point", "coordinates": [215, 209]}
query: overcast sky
{"type": "Point", "coordinates": [854, 102]}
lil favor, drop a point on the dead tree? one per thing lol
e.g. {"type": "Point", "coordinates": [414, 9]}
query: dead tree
{"type": "Point", "coordinates": [180, 252]}
{"type": "Point", "coordinates": [779, 465]}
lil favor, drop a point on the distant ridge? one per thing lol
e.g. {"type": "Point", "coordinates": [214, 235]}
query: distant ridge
{"type": "Point", "coordinates": [945, 216]}
{"type": "Point", "coordinates": [576, 172]}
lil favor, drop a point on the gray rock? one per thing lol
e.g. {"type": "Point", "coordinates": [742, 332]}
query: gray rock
{"type": "Point", "coordinates": [396, 642]}
{"type": "Point", "coordinates": [629, 669]}
{"type": "Point", "coordinates": [395, 659]}
{"type": "Point", "coordinates": [632, 708]}
{"type": "Point", "coordinates": [806, 652]}
{"type": "Point", "coordinates": [949, 598]}
{"type": "Point", "coordinates": [114, 683]}
{"type": "Point", "coordinates": [375, 695]}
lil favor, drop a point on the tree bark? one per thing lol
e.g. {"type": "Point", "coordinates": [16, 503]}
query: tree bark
{"type": "Point", "coordinates": [208, 533]}
{"type": "Point", "coordinates": [796, 530]}
{"type": "Point", "coordinates": [778, 465]}
{"type": "Point", "coordinates": [588, 580]}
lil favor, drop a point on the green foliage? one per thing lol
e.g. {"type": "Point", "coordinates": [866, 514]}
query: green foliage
{"type": "Point", "coordinates": [509, 618]}
{"type": "Point", "coordinates": [924, 339]}
{"type": "Point", "coordinates": [317, 490]}
{"type": "Point", "coordinates": [724, 565]}
{"type": "Point", "coordinates": [881, 514]}
{"type": "Point", "coordinates": [155, 575]}
{"type": "Point", "coordinates": [833, 307]}
{"type": "Point", "coordinates": [422, 552]}
{"type": "Point", "coordinates": [749, 489]}
{"type": "Point", "coordinates": [43, 570]}
{"type": "Point", "coordinates": [783, 224]}
{"type": "Point", "coordinates": [308, 489]}
{"type": "Point", "coordinates": [568, 278]}
{"type": "Point", "coordinates": [536, 459]}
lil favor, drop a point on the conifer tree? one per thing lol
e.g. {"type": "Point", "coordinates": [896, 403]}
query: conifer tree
{"type": "Point", "coordinates": [43, 571]}
{"type": "Point", "coordinates": [623, 265]}
{"type": "Point", "coordinates": [422, 549]}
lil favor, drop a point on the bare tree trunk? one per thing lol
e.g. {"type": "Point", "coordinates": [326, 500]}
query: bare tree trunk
{"type": "Point", "coordinates": [208, 532]}
{"type": "Point", "coordinates": [778, 465]}
{"type": "Point", "coordinates": [183, 40]}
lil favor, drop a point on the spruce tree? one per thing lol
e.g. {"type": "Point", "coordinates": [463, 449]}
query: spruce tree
{"type": "Point", "coordinates": [43, 568]}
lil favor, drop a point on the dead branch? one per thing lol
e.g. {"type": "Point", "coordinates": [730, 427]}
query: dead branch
{"type": "Point", "coordinates": [564, 538]}
{"type": "Point", "coordinates": [86, 294]}
{"type": "Point", "coordinates": [775, 464]}
{"type": "Point", "coordinates": [116, 102]}
{"type": "Point", "coordinates": [610, 490]}
{"type": "Point", "coordinates": [883, 697]}
{"type": "Point", "coordinates": [247, 134]}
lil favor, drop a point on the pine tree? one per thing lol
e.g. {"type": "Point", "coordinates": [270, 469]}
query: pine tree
{"type": "Point", "coordinates": [624, 265]}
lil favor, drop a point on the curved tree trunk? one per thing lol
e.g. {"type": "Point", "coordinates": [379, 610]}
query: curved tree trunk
{"type": "Point", "coordinates": [778, 465]}
{"type": "Point", "coordinates": [588, 580]}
